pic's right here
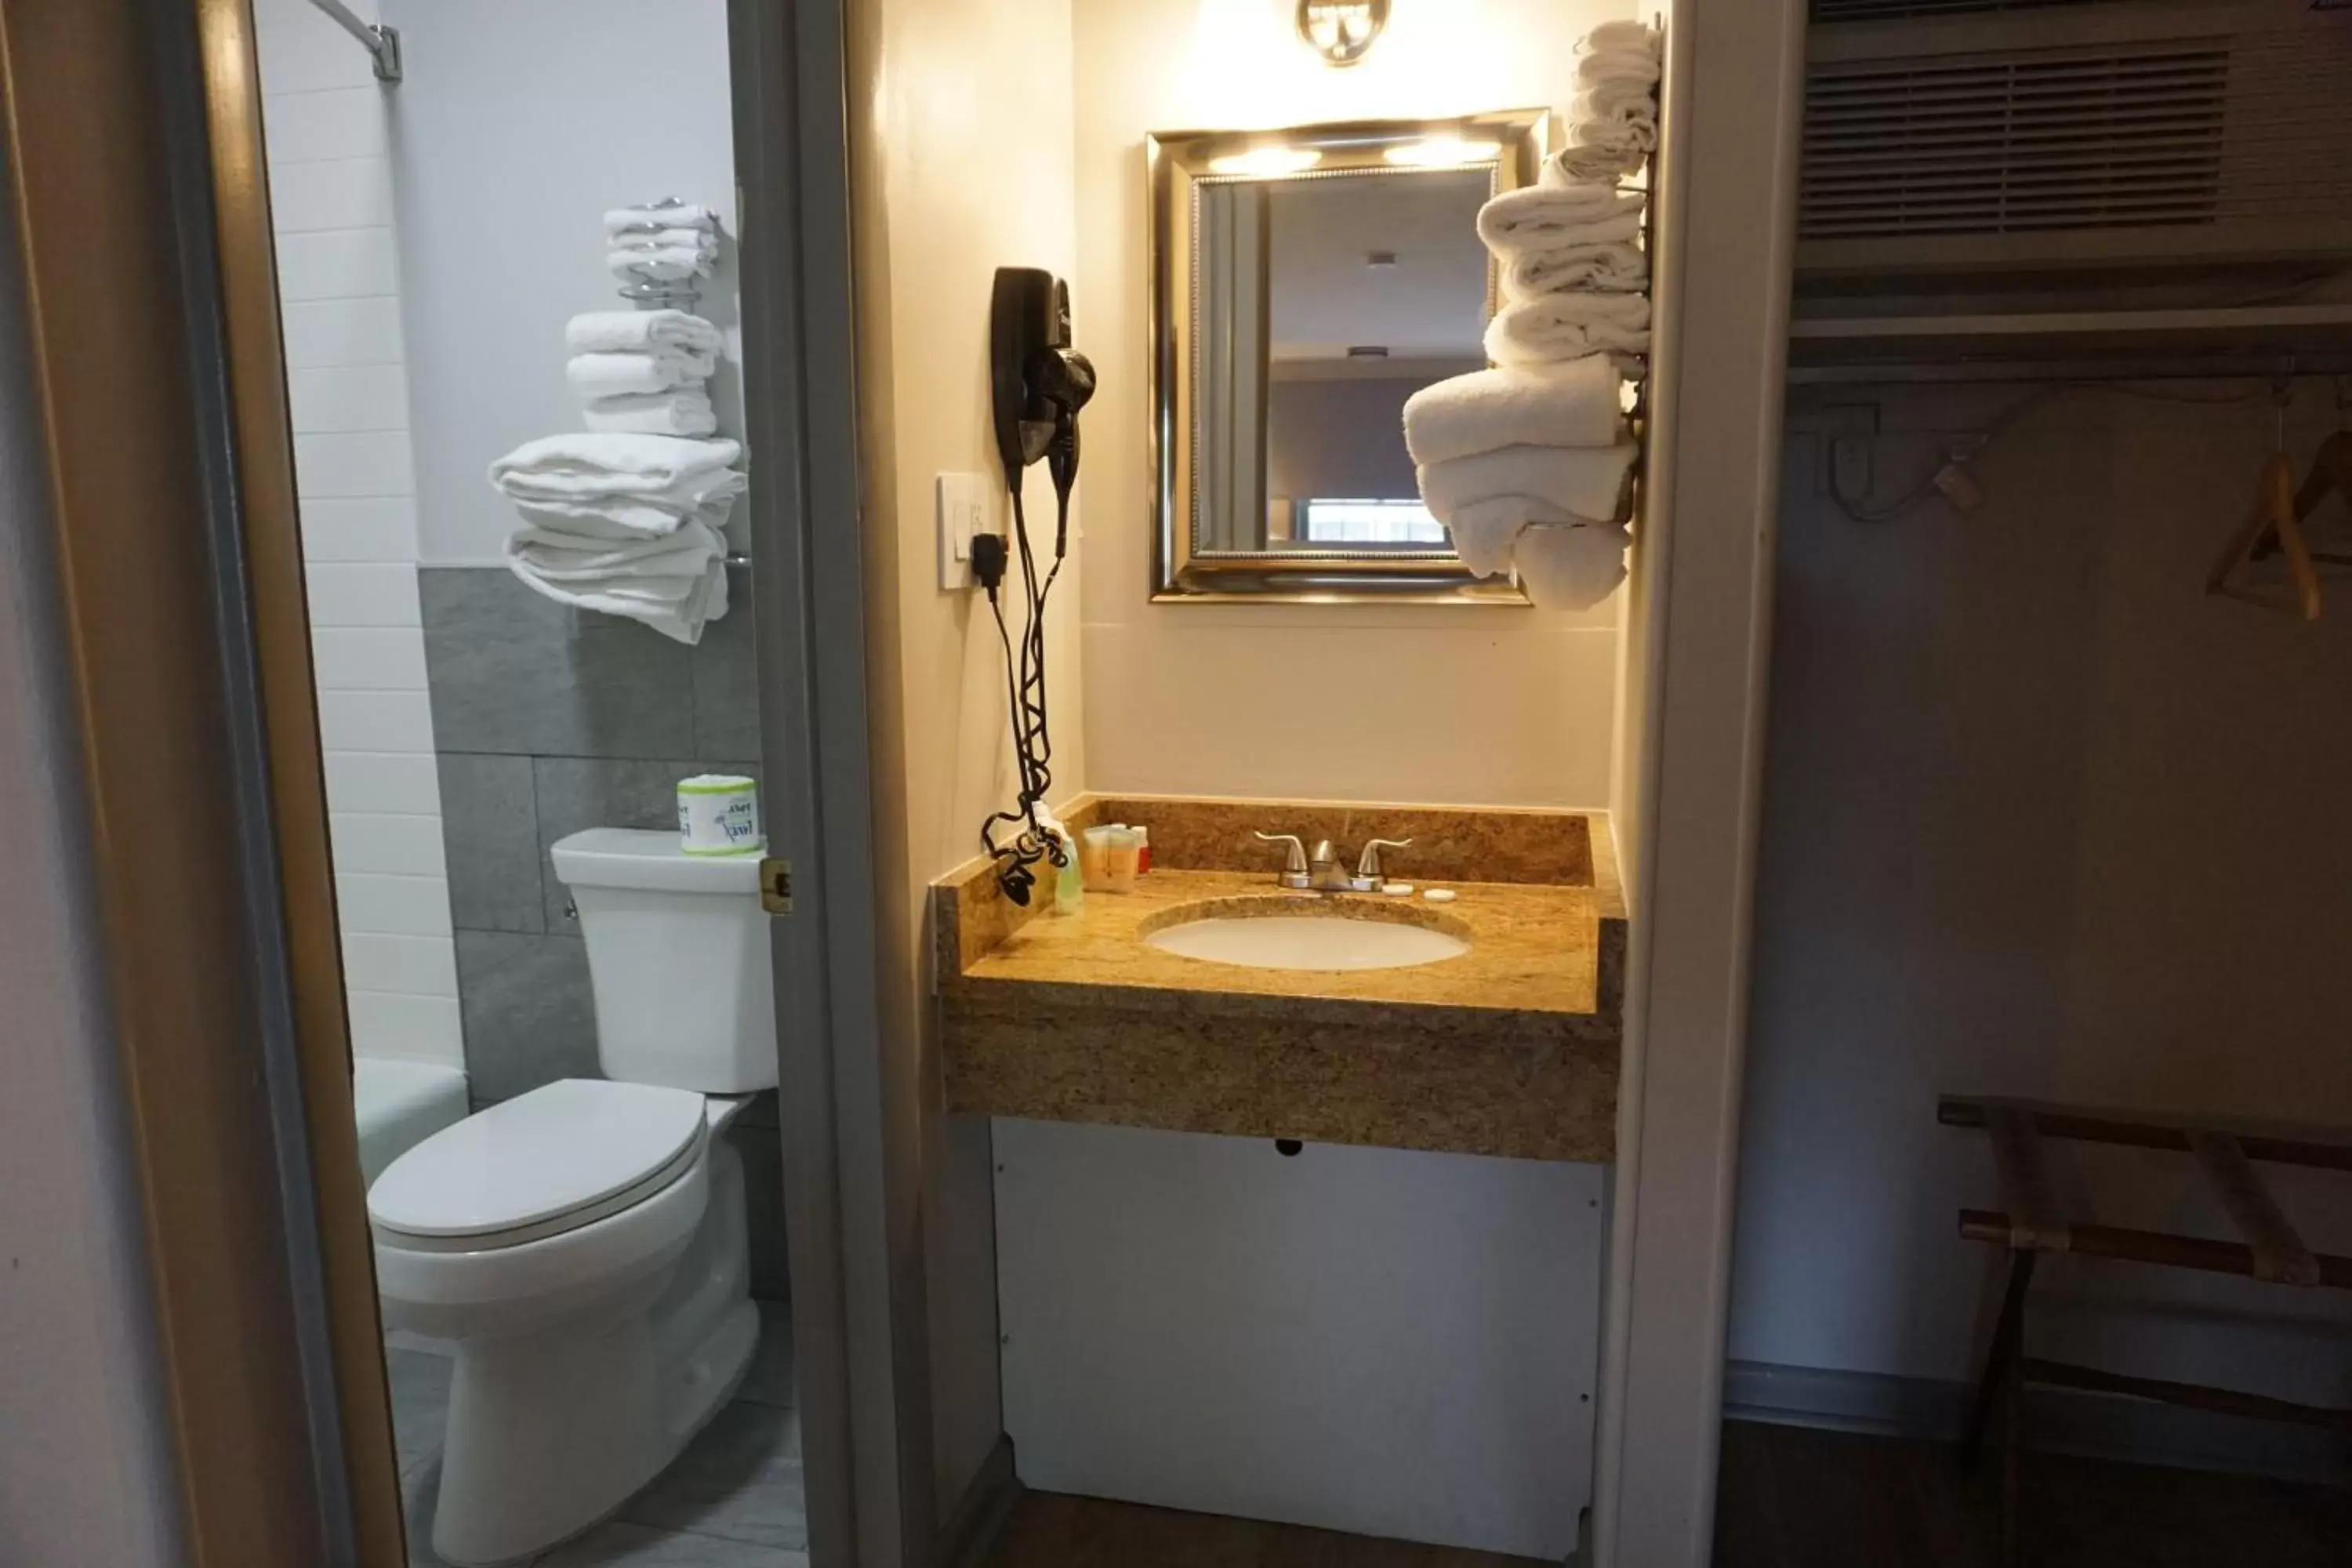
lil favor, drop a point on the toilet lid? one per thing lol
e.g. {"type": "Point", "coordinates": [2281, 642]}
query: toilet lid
{"type": "Point", "coordinates": [537, 1157]}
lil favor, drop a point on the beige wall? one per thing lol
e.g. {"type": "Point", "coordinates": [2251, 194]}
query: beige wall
{"type": "Point", "coordinates": [961, 163]}
{"type": "Point", "coordinates": [2040, 819]}
{"type": "Point", "coordinates": [1435, 704]}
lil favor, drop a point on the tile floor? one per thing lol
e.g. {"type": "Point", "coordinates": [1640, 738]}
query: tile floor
{"type": "Point", "coordinates": [734, 1499]}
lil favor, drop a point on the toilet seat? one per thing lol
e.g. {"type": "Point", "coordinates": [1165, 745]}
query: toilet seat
{"type": "Point", "coordinates": [560, 1157]}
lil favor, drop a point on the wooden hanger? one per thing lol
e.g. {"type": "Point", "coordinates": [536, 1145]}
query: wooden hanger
{"type": "Point", "coordinates": [2274, 514]}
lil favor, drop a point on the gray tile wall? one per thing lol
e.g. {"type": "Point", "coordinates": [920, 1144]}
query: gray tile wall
{"type": "Point", "coordinates": [549, 720]}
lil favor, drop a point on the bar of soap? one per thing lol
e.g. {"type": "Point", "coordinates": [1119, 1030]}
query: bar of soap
{"type": "Point", "coordinates": [1439, 895]}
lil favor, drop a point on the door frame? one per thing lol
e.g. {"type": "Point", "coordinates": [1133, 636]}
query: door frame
{"type": "Point", "coordinates": [160, 369]}
{"type": "Point", "coordinates": [851, 1164]}
{"type": "Point", "coordinates": [1725, 228]}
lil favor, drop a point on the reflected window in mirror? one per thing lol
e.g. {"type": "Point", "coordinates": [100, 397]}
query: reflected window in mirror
{"type": "Point", "coordinates": [1307, 283]}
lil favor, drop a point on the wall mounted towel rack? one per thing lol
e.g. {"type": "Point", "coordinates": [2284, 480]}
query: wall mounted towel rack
{"type": "Point", "coordinates": [645, 289]}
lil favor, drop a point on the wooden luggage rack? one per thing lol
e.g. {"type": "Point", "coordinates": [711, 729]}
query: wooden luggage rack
{"type": "Point", "coordinates": [2031, 1222]}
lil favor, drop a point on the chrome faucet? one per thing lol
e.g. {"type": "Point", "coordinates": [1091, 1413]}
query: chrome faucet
{"type": "Point", "coordinates": [1321, 870]}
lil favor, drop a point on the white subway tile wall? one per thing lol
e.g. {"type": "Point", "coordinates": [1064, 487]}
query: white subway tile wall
{"type": "Point", "coordinates": [330, 205]}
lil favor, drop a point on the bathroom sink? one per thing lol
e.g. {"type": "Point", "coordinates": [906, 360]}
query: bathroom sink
{"type": "Point", "coordinates": [1306, 942]}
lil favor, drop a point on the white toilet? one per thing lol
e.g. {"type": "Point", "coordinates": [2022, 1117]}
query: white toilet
{"type": "Point", "coordinates": [583, 1245]}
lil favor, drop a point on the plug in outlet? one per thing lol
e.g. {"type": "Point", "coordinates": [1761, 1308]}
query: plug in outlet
{"type": "Point", "coordinates": [963, 513]}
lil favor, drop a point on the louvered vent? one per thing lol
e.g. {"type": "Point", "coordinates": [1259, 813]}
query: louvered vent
{"type": "Point", "coordinates": [1896, 10]}
{"type": "Point", "coordinates": [2015, 143]}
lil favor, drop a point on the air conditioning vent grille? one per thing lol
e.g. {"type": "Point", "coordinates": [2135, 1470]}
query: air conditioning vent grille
{"type": "Point", "coordinates": [1897, 10]}
{"type": "Point", "coordinates": [2013, 142]}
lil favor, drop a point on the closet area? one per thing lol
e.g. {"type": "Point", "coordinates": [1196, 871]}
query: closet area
{"type": "Point", "coordinates": [2055, 873]}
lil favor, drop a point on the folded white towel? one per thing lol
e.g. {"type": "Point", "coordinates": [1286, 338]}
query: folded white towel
{"type": "Point", "coordinates": [563, 557]}
{"type": "Point", "coordinates": [628, 331]}
{"type": "Point", "coordinates": [629, 222]}
{"type": "Point", "coordinates": [609, 376]}
{"type": "Point", "coordinates": [684, 412]}
{"type": "Point", "coordinates": [1485, 531]}
{"type": "Point", "coordinates": [678, 606]}
{"type": "Point", "coordinates": [1589, 481]}
{"type": "Point", "coordinates": [1574, 404]}
{"type": "Point", "coordinates": [583, 467]}
{"type": "Point", "coordinates": [1623, 35]}
{"type": "Point", "coordinates": [660, 263]}
{"type": "Point", "coordinates": [1558, 326]}
{"type": "Point", "coordinates": [622, 518]}
{"type": "Point", "coordinates": [663, 239]}
{"type": "Point", "coordinates": [1571, 568]}
{"type": "Point", "coordinates": [1540, 216]}
{"type": "Point", "coordinates": [1614, 269]}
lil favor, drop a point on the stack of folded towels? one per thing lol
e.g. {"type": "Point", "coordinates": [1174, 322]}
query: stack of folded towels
{"type": "Point", "coordinates": [1528, 463]}
{"type": "Point", "coordinates": [643, 372]}
{"type": "Point", "coordinates": [626, 524]}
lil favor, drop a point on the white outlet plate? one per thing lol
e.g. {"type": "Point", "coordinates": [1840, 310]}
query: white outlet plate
{"type": "Point", "coordinates": [963, 513]}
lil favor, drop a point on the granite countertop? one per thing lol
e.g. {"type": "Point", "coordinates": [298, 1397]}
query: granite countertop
{"type": "Point", "coordinates": [1509, 1050]}
{"type": "Point", "coordinates": [1533, 949]}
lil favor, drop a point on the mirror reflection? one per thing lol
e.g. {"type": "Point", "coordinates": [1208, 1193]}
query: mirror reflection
{"type": "Point", "coordinates": [1325, 304]}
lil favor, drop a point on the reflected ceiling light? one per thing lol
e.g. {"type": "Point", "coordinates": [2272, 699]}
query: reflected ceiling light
{"type": "Point", "coordinates": [1442, 152]}
{"type": "Point", "coordinates": [1267, 161]}
{"type": "Point", "coordinates": [1341, 31]}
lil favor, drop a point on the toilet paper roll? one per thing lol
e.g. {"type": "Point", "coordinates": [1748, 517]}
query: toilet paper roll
{"type": "Point", "coordinates": [718, 814]}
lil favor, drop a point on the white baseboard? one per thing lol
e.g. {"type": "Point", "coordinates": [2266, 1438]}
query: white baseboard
{"type": "Point", "coordinates": [2066, 1421]}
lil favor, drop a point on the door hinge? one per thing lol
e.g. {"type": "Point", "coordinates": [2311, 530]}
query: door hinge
{"type": "Point", "coordinates": [776, 886]}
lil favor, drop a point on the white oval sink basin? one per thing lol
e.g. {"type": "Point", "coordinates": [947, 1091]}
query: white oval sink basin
{"type": "Point", "coordinates": [1308, 941]}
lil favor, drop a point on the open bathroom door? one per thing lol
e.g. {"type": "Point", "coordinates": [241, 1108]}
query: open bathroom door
{"type": "Point", "coordinates": [851, 1157]}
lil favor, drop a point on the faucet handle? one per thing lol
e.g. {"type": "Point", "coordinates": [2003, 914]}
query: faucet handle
{"type": "Point", "coordinates": [1369, 863]}
{"type": "Point", "coordinates": [1294, 870]}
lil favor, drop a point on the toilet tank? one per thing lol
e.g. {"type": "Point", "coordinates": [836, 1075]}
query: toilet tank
{"type": "Point", "coordinates": [678, 958]}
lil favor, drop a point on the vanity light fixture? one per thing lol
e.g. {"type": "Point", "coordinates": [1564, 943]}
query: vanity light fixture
{"type": "Point", "coordinates": [1341, 31]}
{"type": "Point", "coordinates": [1442, 152]}
{"type": "Point", "coordinates": [1262, 161]}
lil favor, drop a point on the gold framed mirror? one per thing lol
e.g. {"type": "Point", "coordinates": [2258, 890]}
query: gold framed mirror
{"type": "Point", "coordinates": [1304, 284]}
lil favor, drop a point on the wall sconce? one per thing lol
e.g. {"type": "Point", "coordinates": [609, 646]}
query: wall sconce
{"type": "Point", "coordinates": [1341, 31]}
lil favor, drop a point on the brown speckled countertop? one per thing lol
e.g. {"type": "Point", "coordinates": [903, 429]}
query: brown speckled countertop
{"type": "Point", "coordinates": [1509, 1048]}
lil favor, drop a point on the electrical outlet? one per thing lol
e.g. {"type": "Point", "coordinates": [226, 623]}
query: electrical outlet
{"type": "Point", "coordinates": [963, 513]}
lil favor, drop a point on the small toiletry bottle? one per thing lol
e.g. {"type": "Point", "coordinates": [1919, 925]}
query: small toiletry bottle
{"type": "Point", "coordinates": [1121, 869]}
{"type": "Point", "coordinates": [1069, 881]}
{"type": "Point", "coordinates": [1142, 851]}
{"type": "Point", "coordinates": [1069, 884]}
{"type": "Point", "coordinates": [1094, 858]}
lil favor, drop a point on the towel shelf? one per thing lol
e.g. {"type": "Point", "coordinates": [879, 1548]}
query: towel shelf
{"type": "Point", "coordinates": [645, 290]}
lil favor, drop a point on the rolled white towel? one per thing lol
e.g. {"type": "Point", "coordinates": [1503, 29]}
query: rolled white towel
{"type": "Point", "coordinates": [1614, 269]}
{"type": "Point", "coordinates": [1485, 531]}
{"type": "Point", "coordinates": [700, 239]}
{"type": "Point", "coordinates": [1602, 68]}
{"type": "Point", "coordinates": [628, 331]}
{"type": "Point", "coordinates": [585, 465]}
{"type": "Point", "coordinates": [684, 412]}
{"type": "Point", "coordinates": [1539, 216]}
{"type": "Point", "coordinates": [1574, 404]}
{"type": "Point", "coordinates": [662, 263]}
{"type": "Point", "coordinates": [1589, 481]}
{"type": "Point", "coordinates": [1608, 35]}
{"type": "Point", "coordinates": [629, 221]}
{"type": "Point", "coordinates": [1617, 116]}
{"type": "Point", "coordinates": [1569, 325]}
{"type": "Point", "coordinates": [1571, 567]}
{"type": "Point", "coordinates": [1590, 165]}
{"type": "Point", "coordinates": [609, 376]}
